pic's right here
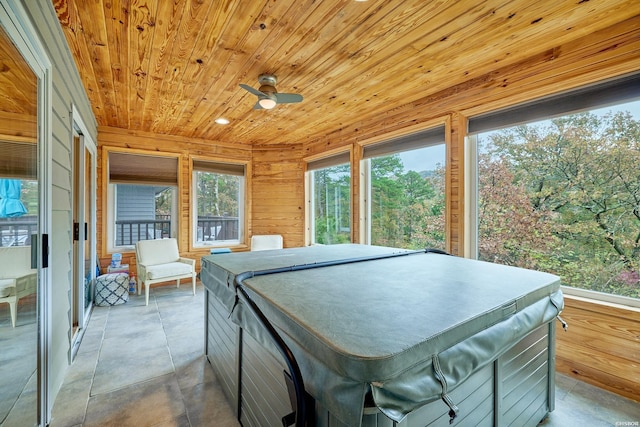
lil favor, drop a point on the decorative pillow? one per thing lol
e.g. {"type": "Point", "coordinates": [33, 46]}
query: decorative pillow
{"type": "Point", "coordinates": [112, 289]}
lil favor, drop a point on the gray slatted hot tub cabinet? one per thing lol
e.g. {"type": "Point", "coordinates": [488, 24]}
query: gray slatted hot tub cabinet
{"type": "Point", "coordinates": [382, 336]}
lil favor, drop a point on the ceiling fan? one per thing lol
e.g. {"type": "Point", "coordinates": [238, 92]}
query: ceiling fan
{"type": "Point", "coordinates": [268, 96]}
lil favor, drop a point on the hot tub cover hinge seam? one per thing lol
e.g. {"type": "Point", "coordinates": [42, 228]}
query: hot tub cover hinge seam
{"type": "Point", "coordinates": [453, 408]}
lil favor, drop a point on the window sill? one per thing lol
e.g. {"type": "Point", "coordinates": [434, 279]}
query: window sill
{"type": "Point", "coordinates": [602, 298]}
{"type": "Point", "coordinates": [234, 246]}
{"type": "Point", "coordinates": [121, 250]}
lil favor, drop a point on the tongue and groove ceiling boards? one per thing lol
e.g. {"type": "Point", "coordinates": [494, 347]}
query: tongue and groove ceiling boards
{"type": "Point", "coordinates": [173, 67]}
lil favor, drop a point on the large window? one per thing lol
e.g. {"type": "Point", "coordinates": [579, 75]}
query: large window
{"type": "Point", "coordinates": [142, 198]}
{"type": "Point", "coordinates": [330, 180]}
{"type": "Point", "coordinates": [563, 195]}
{"type": "Point", "coordinates": [218, 194]}
{"type": "Point", "coordinates": [404, 191]}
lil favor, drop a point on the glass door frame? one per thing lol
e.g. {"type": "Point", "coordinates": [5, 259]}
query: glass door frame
{"type": "Point", "coordinates": [86, 145]}
{"type": "Point", "coordinates": [17, 24]}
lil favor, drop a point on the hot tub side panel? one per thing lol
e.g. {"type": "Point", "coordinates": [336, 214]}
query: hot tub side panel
{"type": "Point", "coordinates": [525, 379]}
{"type": "Point", "coordinates": [264, 399]}
{"type": "Point", "coordinates": [250, 374]}
{"type": "Point", "coordinates": [222, 348]}
{"type": "Point", "coordinates": [517, 389]}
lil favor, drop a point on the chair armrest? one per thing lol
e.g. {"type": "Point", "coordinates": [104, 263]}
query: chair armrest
{"type": "Point", "coordinates": [26, 284]}
{"type": "Point", "coordinates": [189, 261]}
{"type": "Point", "coordinates": [141, 269]}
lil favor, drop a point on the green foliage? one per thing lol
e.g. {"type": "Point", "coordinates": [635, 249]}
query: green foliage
{"type": "Point", "coordinates": [407, 209]}
{"type": "Point", "coordinates": [29, 196]}
{"type": "Point", "coordinates": [564, 197]}
{"type": "Point", "coordinates": [332, 204]}
{"type": "Point", "coordinates": [217, 194]}
{"type": "Point", "coordinates": [163, 202]}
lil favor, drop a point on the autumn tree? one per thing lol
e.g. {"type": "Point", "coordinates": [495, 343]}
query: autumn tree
{"type": "Point", "coordinates": [511, 230]}
{"type": "Point", "coordinates": [580, 176]}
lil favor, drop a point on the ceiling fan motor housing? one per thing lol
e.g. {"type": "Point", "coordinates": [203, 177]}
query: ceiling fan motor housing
{"type": "Point", "coordinates": [267, 83]}
{"type": "Point", "coordinates": [267, 89]}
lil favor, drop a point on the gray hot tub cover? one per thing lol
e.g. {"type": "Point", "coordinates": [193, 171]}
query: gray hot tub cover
{"type": "Point", "coordinates": [399, 328]}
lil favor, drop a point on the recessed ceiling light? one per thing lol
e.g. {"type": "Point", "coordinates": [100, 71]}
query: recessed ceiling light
{"type": "Point", "coordinates": [222, 121]}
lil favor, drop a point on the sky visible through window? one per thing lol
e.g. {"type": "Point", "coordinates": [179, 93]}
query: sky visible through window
{"type": "Point", "coordinates": [429, 159]}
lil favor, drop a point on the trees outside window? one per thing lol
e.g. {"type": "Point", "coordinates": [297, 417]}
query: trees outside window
{"type": "Point", "coordinates": [219, 203]}
{"type": "Point", "coordinates": [563, 196]}
{"type": "Point", "coordinates": [331, 195]}
{"type": "Point", "coordinates": [407, 202]}
{"type": "Point", "coordinates": [217, 194]}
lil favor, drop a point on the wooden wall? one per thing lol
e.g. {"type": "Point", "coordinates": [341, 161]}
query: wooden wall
{"type": "Point", "coordinates": [601, 345]}
{"type": "Point", "coordinates": [277, 192]}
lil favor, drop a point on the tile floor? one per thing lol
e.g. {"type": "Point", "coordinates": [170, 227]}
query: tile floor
{"type": "Point", "coordinates": [18, 378]}
{"type": "Point", "coordinates": [144, 366]}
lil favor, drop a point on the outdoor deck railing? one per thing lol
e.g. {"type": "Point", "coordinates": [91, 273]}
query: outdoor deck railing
{"type": "Point", "coordinates": [17, 231]}
{"type": "Point", "coordinates": [213, 228]}
{"type": "Point", "coordinates": [210, 229]}
{"type": "Point", "coordinates": [128, 232]}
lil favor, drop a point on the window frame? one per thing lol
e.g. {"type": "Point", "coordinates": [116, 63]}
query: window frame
{"type": "Point", "coordinates": [600, 95]}
{"type": "Point", "coordinates": [325, 160]}
{"type": "Point", "coordinates": [430, 136]}
{"type": "Point", "coordinates": [109, 197]}
{"type": "Point", "coordinates": [243, 208]}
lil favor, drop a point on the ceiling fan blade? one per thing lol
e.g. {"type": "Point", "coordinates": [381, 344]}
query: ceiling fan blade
{"type": "Point", "coordinates": [288, 98]}
{"type": "Point", "coordinates": [258, 106]}
{"type": "Point", "coordinates": [256, 92]}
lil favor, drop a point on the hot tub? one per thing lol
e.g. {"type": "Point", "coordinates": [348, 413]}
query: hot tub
{"type": "Point", "coordinates": [383, 336]}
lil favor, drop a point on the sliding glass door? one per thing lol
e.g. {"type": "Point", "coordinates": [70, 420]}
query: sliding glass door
{"type": "Point", "coordinates": [84, 271]}
{"type": "Point", "coordinates": [20, 213]}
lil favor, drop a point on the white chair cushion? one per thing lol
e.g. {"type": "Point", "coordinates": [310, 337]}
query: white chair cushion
{"type": "Point", "coordinates": [15, 261]}
{"type": "Point", "coordinates": [160, 251]}
{"type": "Point", "coordinates": [6, 286]}
{"type": "Point", "coordinates": [265, 242]}
{"type": "Point", "coordinates": [155, 272]}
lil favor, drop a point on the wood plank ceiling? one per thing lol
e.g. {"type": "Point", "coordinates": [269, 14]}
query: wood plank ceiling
{"type": "Point", "coordinates": [18, 94]}
{"type": "Point", "coordinates": [173, 67]}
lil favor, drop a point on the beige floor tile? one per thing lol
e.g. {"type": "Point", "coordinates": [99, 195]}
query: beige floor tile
{"type": "Point", "coordinates": [146, 404]}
